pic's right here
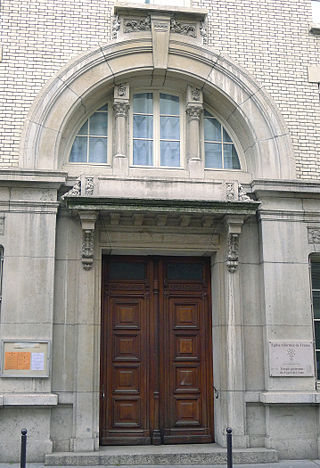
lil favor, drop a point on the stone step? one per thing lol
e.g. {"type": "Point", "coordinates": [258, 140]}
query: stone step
{"type": "Point", "coordinates": [193, 454]}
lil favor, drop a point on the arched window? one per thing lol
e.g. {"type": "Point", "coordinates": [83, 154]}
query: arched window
{"type": "Point", "coordinates": [91, 142]}
{"type": "Point", "coordinates": [219, 149]}
{"type": "Point", "coordinates": [1, 271]}
{"type": "Point", "coordinates": [156, 130]}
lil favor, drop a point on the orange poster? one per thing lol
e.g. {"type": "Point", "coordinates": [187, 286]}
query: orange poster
{"type": "Point", "coordinates": [17, 360]}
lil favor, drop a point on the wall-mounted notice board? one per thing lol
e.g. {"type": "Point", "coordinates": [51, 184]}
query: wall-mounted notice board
{"type": "Point", "coordinates": [20, 358]}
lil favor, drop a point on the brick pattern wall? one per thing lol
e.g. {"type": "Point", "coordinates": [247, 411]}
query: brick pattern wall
{"type": "Point", "coordinates": [269, 38]}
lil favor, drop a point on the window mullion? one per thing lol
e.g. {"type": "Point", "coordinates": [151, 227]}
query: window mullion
{"type": "Point", "coordinates": [156, 128]}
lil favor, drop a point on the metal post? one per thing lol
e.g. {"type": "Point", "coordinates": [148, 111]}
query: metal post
{"type": "Point", "coordinates": [229, 447]}
{"type": "Point", "coordinates": [23, 455]}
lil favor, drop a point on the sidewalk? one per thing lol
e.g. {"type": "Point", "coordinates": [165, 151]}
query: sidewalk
{"type": "Point", "coordinates": [281, 464]}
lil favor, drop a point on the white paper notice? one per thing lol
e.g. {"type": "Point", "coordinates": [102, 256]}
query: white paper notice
{"type": "Point", "coordinates": [37, 361]}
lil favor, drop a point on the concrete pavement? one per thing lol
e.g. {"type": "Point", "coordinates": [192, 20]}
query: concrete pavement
{"type": "Point", "coordinates": [280, 464]}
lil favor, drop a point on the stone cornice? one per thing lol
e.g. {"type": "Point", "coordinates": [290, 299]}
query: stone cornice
{"type": "Point", "coordinates": [289, 186]}
{"type": "Point", "coordinates": [52, 179]}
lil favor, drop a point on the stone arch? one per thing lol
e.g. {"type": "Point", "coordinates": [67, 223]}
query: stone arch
{"type": "Point", "coordinates": [78, 87]}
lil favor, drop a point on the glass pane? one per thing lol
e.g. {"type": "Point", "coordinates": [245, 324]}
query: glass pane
{"type": "Point", "coordinates": [79, 150]}
{"type": "Point", "coordinates": [213, 152]}
{"type": "Point", "coordinates": [143, 126]}
{"type": "Point", "coordinates": [315, 275]}
{"type": "Point", "coordinates": [212, 130]}
{"type": "Point", "coordinates": [127, 271]}
{"type": "Point", "coordinates": [226, 137]}
{"type": "Point", "coordinates": [170, 153]}
{"type": "Point", "coordinates": [98, 149]}
{"type": "Point", "coordinates": [315, 11]}
{"type": "Point", "coordinates": [231, 160]}
{"type": "Point", "coordinates": [103, 108]}
{"type": "Point", "coordinates": [99, 124]}
{"type": "Point", "coordinates": [142, 103]}
{"type": "Point", "coordinates": [184, 271]}
{"type": "Point", "coordinates": [317, 333]}
{"type": "Point", "coordinates": [316, 304]}
{"type": "Point", "coordinates": [169, 105]}
{"type": "Point", "coordinates": [170, 128]}
{"type": "Point", "coordinates": [142, 153]}
{"type": "Point", "coordinates": [84, 129]}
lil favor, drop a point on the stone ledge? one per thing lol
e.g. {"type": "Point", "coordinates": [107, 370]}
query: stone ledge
{"type": "Point", "coordinates": [29, 399]}
{"type": "Point", "coordinates": [202, 454]}
{"type": "Point", "coordinates": [314, 28]}
{"type": "Point", "coordinates": [270, 398]}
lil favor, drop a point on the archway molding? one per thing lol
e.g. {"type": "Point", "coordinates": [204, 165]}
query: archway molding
{"type": "Point", "coordinates": [79, 87]}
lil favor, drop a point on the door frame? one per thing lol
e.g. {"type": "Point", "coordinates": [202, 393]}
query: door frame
{"type": "Point", "coordinates": [155, 403]}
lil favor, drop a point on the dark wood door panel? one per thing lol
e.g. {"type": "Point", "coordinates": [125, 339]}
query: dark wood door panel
{"type": "Point", "coordinates": [156, 373]}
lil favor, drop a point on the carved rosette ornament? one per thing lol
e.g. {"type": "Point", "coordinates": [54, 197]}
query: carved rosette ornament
{"type": "Point", "coordinates": [120, 109]}
{"type": "Point", "coordinates": [194, 112]}
{"type": "Point", "coordinates": [233, 252]}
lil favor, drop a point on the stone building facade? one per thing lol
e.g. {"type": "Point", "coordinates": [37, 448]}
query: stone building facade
{"type": "Point", "coordinates": [159, 197]}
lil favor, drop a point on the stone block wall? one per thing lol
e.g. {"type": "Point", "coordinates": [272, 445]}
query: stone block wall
{"type": "Point", "coordinates": [269, 39]}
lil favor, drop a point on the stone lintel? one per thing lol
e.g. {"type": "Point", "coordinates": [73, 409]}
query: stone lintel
{"type": "Point", "coordinates": [124, 8]}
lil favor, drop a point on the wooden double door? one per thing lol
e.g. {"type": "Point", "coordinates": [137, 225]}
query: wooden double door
{"type": "Point", "coordinates": [156, 351]}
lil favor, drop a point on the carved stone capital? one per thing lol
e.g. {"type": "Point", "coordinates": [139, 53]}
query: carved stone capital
{"type": "Point", "coordinates": [120, 109]}
{"type": "Point", "coordinates": [88, 221]}
{"type": "Point", "coordinates": [121, 92]}
{"type": "Point", "coordinates": [194, 112]}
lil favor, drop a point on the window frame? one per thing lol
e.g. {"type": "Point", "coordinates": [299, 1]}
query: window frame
{"type": "Point", "coordinates": [156, 128]}
{"type": "Point", "coordinates": [314, 258]}
{"type": "Point", "coordinates": [109, 137]}
{"type": "Point", "coordinates": [315, 11]}
{"type": "Point", "coordinates": [231, 134]}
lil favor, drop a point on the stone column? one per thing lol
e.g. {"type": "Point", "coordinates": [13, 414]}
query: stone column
{"type": "Point", "coordinates": [85, 432]}
{"type": "Point", "coordinates": [120, 147]}
{"type": "Point", "coordinates": [234, 358]}
{"type": "Point", "coordinates": [194, 110]}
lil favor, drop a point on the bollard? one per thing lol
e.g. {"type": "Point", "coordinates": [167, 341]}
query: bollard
{"type": "Point", "coordinates": [23, 455]}
{"type": "Point", "coordinates": [229, 447]}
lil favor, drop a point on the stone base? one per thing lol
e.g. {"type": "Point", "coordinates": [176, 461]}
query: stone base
{"type": "Point", "coordinates": [204, 454]}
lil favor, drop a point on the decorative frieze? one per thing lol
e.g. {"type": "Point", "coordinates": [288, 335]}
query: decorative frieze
{"type": "Point", "coordinates": [181, 27]}
{"type": "Point", "coordinates": [137, 24]}
{"type": "Point", "coordinates": [314, 235]}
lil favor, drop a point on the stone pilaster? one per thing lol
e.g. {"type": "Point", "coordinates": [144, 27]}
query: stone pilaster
{"type": "Point", "coordinates": [120, 146]}
{"type": "Point", "coordinates": [194, 110]}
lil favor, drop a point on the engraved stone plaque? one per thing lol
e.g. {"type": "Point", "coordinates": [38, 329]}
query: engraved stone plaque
{"type": "Point", "coordinates": [291, 359]}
